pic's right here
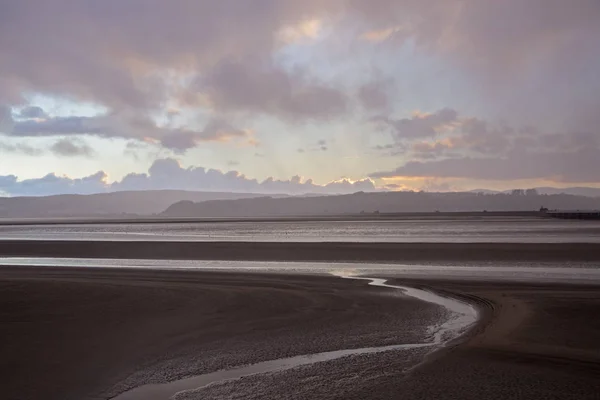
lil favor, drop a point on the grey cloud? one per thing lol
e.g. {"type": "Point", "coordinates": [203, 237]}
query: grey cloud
{"type": "Point", "coordinates": [63, 125]}
{"type": "Point", "coordinates": [320, 145]}
{"type": "Point", "coordinates": [374, 95]}
{"type": "Point", "coordinates": [532, 58]}
{"type": "Point", "coordinates": [21, 148]}
{"type": "Point", "coordinates": [460, 135]}
{"type": "Point", "coordinates": [32, 112]}
{"type": "Point", "coordinates": [266, 88]}
{"type": "Point", "coordinates": [535, 59]}
{"type": "Point", "coordinates": [579, 166]}
{"type": "Point", "coordinates": [477, 136]}
{"type": "Point", "coordinates": [215, 131]}
{"type": "Point", "coordinates": [71, 148]}
{"type": "Point", "coordinates": [498, 41]}
{"type": "Point", "coordinates": [125, 42]}
{"type": "Point", "coordinates": [6, 120]}
{"type": "Point", "coordinates": [477, 149]}
{"type": "Point", "coordinates": [419, 126]}
{"type": "Point", "coordinates": [128, 127]}
{"type": "Point", "coordinates": [429, 150]}
{"type": "Point", "coordinates": [168, 174]}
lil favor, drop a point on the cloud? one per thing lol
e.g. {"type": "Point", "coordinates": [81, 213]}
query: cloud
{"type": "Point", "coordinates": [22, 148]}
{"type": "Point", "coordinates": [558, 166]}
{"type": "Point", "coordinates": [131, 55]}
{"type": "Point", "coordinates": [253, 87]}
{"type": "Point", "coordinates": [71, 148]}
{"type": "Point", "coordinates": [530, 58]}
{"type": "Point", "coordinates": [532, 61]}
{"type": "Point", "coordinates": [32, 112]}
{"type": "Point", "coordinates": [322, 144]}
{"type": "Point", "coordinates": [126, 126]}
{"type": "Point", "coordinates": [420, 125]}
{"type": "Point", "coordinates": [474, 148]}
{"type": "Point", "coordinates": [118, 65]}
{"type": "Point", "coordinates": [446, 133]}
{"type": "Point", "coordinates": [169, 174]}
{"type": "Point", "coordinates": [318, 146]}
{"type": "Point", "coordinates": [6, 120]}
{"type": "Point", "coordinates": [374, 95]}
{"type": "Point", "coordinates": [52, 184]}
{"type": "Point", "coordinates": [430, 150]}
{"type": "Point", "coordinates": [100, 126]}
{"type": "Point", "coordinates": [180, 140]}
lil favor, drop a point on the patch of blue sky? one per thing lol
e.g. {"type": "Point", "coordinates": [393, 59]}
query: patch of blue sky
{"type": "Point", "coordinates": [56, 106]}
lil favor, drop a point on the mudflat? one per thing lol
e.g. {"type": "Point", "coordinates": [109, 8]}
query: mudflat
{"type": "Point", "coordinates": [77, 333]}
{"type": "Point", "coordinates": [532, 342]}
{"type": "Point", "coordinates": [302, 251]}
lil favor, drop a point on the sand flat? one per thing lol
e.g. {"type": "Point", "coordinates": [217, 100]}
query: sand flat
{"type": "Point", "coordinates": [77, 333]}
{"type": "Point", "coordinates": [302, 251]}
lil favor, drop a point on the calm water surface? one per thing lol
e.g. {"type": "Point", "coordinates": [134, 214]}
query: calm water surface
{"type": "Point", "coordinates": [509, 230]}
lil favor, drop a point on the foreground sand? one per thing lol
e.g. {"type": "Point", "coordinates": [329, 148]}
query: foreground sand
{"type": "Point", "coordinates": [87, 334]}
{"type": "Point", "coordinates": [90, 333]}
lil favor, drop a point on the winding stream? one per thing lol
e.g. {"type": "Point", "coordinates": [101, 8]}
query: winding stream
{"type": "Point", "coordinates": [462, 316]}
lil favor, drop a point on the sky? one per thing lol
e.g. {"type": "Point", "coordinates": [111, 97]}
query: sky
{"type": "Point", "coordinates": [324, 96]}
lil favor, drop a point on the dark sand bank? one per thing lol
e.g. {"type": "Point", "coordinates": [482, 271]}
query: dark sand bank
{"type": "Point", "coordinates": [320, 251]}
{"type": "Point", "coordinates": [75, 333]}
{"type": "Point", "coordinates": [88, 334]}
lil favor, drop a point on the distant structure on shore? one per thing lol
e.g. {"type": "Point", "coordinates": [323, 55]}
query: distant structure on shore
{"type": "Point", "coordinates": [573, 214]}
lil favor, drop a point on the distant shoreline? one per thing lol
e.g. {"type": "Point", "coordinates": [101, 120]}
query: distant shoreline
{"type": "Point", "coordinates": [307, 218]}
{"type": "Point", "coordinates": [304, 251]}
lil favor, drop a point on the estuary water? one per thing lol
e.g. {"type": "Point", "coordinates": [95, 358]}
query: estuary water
{"type": "Point", "coordinates": [456, 229]}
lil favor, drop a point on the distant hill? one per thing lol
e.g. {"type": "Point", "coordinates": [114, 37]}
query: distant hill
{"type": "Point", "coordinates": [105, 204]}
{"type": "Point", "coordinates": [384, 202]}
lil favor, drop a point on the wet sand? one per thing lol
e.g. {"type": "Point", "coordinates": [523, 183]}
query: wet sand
{"type": "Point", "coordinates": [532, 342]}
{"type": "Point", "coordinates": [302, 251]}
{"type": "Point", "coordinates": [75, 333]}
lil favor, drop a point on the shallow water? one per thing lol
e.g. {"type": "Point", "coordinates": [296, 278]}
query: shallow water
{"type": "Point", "coordinates": [168, 390]}
{"type": "Point", "coordinates": [489, 229]}
{"type": "Point", "coordinates": [462, 316]}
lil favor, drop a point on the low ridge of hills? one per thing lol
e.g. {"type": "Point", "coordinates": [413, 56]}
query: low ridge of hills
{"type": "Point", "coordinates": [382, 202]}
{"type": "Point", "coordinates": [180, 203]}
{"type": "Point", "coordinates": [114, 204]}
